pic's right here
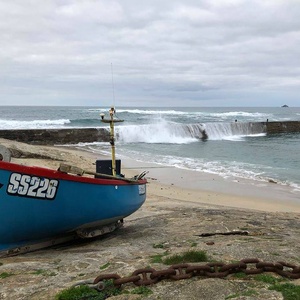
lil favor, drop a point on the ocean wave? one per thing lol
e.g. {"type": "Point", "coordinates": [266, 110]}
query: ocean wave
{"type": "Point", "coordinates": [230, 170]}
{"type": "Point", "coordinates": [85, 122]}
{"type": "Point", "coordinates": [34, 124]}
{"type": "Point", "coordinates": [239, 114]}
{"type": "Point", "coordinates": [186, 115]}
{"type": "Point", "coordinates": [151, 112]}
{"type": "Point", "coordinates": [97, 110]}
{"type": "Point", "coordinates": [139, 111]}
{"type": "Point", "coordinates": [237, 138]}
{"type": "Point", "coordinates": [162, 133]}
{"type": "Point", "coordinates": [234, 131]}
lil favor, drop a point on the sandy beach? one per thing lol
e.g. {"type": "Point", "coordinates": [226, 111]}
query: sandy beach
{"type": "Point", "coordinates": [180, 204]}
{"type": "Point", "coordinates": [179, 184]}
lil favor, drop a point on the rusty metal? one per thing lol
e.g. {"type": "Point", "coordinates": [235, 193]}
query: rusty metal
{"type": "Point", "coordinates": [145, 276]}
{"type": "Point", "coordinates": [249, 266]}
{"type": "Point", "coordinates": [216, 270]}
{"type": "Point", "coordinates": [292, 274]}
{"type": "Point", "coordinates": [102, 277]}
{"type": "Point", "coordinates": [130, 279]}
{"type": "Point", "coordinates": [180, 270]}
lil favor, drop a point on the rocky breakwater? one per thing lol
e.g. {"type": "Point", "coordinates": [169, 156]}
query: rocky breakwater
{"type": "Point", "coordinates": [56, 136]}
{"type": "Point", "coordinates": [282, 127]}
{"type": "Point", "coordinates": [89, 135]}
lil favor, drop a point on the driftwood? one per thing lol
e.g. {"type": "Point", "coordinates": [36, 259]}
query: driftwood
{"type": "Point", "coordinates": [234, 232]}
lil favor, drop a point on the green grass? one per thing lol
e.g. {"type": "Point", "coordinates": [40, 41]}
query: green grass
{"type": "Point", "coordinates": [142, 290]}
{"type": "Point", "coordinates": [186, 257]}
{"type": "Point", "coordinates": [105, 266]}
{"type": "Point", "coordinates": [84, 292]}
{"type": "Point", "coordinates": [159, 245]}
{"type": "Point", "coordinates": [289, 291]}
{"type": "Point", "coordinates": [5, 275]}
{"type": "Point", "coordinates": [266, 278]}
{"type": "Point", "coordinates": [79, 293]}
{"type": "Point", "coordinates": [157, 258]}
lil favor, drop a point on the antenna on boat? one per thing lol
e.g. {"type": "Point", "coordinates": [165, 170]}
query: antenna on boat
{"type": "Point", "coordinates": [111, 120]}
{"type": "Point", "coordinates": [112, 83]}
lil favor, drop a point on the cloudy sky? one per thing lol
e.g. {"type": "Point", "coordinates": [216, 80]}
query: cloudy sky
{"type": "Point", "coordinates": [162, 52]}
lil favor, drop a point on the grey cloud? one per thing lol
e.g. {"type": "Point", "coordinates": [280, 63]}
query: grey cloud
{"type": "Point", "coordinates": [161, 51]}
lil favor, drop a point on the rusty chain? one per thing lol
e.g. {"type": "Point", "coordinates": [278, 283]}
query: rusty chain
{"type": "Point", "coordinates": [148, 276]}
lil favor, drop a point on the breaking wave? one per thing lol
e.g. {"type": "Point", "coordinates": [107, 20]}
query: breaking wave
{"type": "Point", "coordinates": [172, 133]}
{"type": "Point", "coordinates": [34, 124]}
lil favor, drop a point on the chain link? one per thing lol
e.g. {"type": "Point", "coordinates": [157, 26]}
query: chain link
{"type": "Point", "coordinates": [249, 266]}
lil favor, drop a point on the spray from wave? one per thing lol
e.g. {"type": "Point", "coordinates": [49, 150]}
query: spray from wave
{"type": "Point", "coordinates": [162, 133]}
{"type": "Point", "coordinates": [173, 133]}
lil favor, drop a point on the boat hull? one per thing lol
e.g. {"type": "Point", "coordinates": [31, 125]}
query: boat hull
{"type": "Point", "coordinates": [38, 203]}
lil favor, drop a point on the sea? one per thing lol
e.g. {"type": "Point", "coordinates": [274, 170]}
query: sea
{"type": "Point", "coordinates": [173, 137]}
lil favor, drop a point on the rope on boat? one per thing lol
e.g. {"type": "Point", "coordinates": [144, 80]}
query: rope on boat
{"type": "Point", "coordinates": [64, 168]}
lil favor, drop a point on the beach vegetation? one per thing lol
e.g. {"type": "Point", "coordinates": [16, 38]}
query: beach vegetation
{"type": "Point", "coordinates": [186, 257]}
{"type": "Point", "coordinates": [289, 291]}
{"type": "Point", "coordinates": [105, 266]}
{"type": "Point", "coordinates": [239, 275]}
{"type": "Point", "coordinates": [159, 245]}
{"type": "Point", "coordinates": [194, 244]}
{"type": "Point", "coordinates": [141, 290]}
{"type": "Point", "coordinates": [85, 292]}
{"type": "Point", "coordinates": [5, 275]}
{"type": "Point", "coordinates": [267, 278]}
{"type": "Point", "coordinates": [78, 293]}
{"type": "Point", "coordinates": [157, 258]}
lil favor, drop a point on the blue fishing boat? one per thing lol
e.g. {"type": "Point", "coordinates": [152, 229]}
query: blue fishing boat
{"type": "Point", "coordinates": [40, 207]}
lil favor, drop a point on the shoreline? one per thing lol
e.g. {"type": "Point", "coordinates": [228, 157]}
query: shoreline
{"type": "Point", "coordinates": [171, 221]}
{"type": "Point", "coordinates": [175, 183]}
{"type": "Point", "coordinates": [203, 188]}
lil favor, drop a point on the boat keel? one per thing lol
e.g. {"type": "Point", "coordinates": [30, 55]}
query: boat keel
{"type": "Point", "coordinates": [72, 236]}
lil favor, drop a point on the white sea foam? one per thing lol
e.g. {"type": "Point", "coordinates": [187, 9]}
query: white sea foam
{"type": "Point", "coordinates": [224, 169]}
{"type": "Point", "coordinates": [239, 114]}
{"type": "Point", "coordinates": [175, 133]}
{"type": "Point", "coordinates": [233, 131]}
{"type": "Point", "coordinates": [34, 124]}
{"type": "Point", "coordinates": [161, 133]}
{"type": "Point", "coordinates": [152, 112]}
{"type": "Point", "coordinates": [234, 171]}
